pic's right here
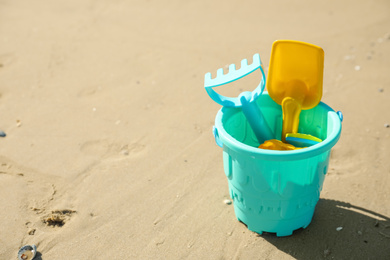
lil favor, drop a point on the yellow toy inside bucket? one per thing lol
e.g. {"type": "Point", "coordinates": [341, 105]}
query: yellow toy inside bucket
{"type": "Point", "coordinates": [294, 80]}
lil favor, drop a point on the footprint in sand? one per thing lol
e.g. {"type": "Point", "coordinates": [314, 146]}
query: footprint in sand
{"type": "Point", "coordinates": [97, 148]}
{"type": "Point", "coordinates": [30, 230]}
{"type": "Point", "coordinates": [6, 168]}
{"type": "Point", "coordinates": [105, 150]}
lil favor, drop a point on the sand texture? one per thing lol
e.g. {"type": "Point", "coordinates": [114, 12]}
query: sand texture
{"type": "Point", "coordinates": [109, 152]}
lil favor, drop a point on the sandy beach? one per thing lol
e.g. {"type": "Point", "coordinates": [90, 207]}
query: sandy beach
{"type": "Point", "coordinates": [109, 152]}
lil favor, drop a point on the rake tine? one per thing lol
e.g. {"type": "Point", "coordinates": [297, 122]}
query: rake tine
{"type": "Point", "coordinates": [244, 63]}
{"type": "Point", "coordinates": [232, 67]}
{"type": "Point", "coordinates": [207, 77]}
{"type": "Point", "coordinates": [220, 72]}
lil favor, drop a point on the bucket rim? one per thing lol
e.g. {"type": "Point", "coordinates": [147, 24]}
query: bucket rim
{"type": "Point", "coordinates": [326, 145]}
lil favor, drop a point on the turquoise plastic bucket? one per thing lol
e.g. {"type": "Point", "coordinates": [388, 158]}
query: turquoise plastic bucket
{"type": "Point", "coordinates": [275, 191]}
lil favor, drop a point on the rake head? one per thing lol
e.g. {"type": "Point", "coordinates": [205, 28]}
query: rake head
{"type": "Point", "coordinates": [233, 75]}
{"type": "Point", "coordinates": [246, 99]}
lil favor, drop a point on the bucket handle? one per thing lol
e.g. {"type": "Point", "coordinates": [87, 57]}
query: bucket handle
{"type": "Point", "coordinates": [340, 115]}
{"type": "Point", "coordinates": [216, 136]}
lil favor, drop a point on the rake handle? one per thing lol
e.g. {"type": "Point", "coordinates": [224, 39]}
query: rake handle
{"type": "Point", "coordinates": [255, 118]}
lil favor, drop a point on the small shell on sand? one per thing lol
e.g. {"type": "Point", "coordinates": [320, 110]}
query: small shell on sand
{"type": "Point", "coordinates": [27, 252]}
{"type": "Point", "coordinates": [227, 202]}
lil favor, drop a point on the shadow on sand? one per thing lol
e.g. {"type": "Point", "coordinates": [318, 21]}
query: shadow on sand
{"type": "Point", "coordinates": [38, 256]}
{"type": "Point", "coordinates": [362, 234]}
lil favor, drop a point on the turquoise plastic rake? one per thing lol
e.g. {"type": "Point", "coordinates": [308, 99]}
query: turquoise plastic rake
{"type": "Point", "coordinates": [246, 100]}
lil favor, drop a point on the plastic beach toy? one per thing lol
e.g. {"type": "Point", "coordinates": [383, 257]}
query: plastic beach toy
{"type": "Point", "coordinates": [274, 144]}
{"type": "Point", "coordinates": [302, 140]}
{"type": "Point", "coordinates": [295, 79]}
{"type": "Point", "coordinates": [27, 252]}
{"type": "Point", "coordinates": [246, 100]}
{"type": "Point", "coordinates": [275, 191]}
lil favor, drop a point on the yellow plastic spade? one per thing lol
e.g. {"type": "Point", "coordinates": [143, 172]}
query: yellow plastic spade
{"type": "Point", "coordinates": [295, 79]}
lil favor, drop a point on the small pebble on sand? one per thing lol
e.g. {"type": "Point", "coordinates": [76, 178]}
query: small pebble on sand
{"type": "Point", "coordinates": [357, 68]}
{"type": "Point", "coordinates": [227, 202]}
{"type": "Point", "coordinates": [380, 90]}
{"type": "Point", "coordinates": [31, 231]}
{"type": "Point", "coordinates": [2, 133]}
{"type": "Point", "coordinates": [326, 252]}
{"type": "Point", "coordinates": [349, 57]}
{"type": "Point", "coordinates": [387, 125]}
